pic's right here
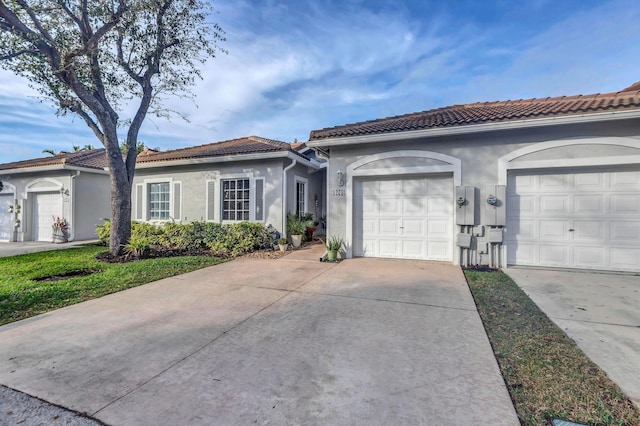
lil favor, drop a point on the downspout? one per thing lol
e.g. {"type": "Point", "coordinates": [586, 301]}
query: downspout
{"type": "Point", "coordinates": [72, 205]}
{"type": "Point", "coordinates": [284, 195]}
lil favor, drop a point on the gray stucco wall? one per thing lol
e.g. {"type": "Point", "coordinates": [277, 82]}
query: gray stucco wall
{"type": "Point", "coordinates": [479, 155]}
{"type": "Point", "coordinates": [193, 181]}
{"type": "Point", "coordinates": [92, 203]}
{"type": "Point", "coordinates": [86, 203]}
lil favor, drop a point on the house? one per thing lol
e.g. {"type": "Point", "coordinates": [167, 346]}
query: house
{"type": "Point", "coordinates": [251, 178]}
{"type": "Point", "coordinates": [551, 182]}
{"type": "Point", "coordinates": [70, 185]}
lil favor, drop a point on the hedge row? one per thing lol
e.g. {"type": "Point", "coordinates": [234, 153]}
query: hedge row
{"type": "Point", "coordinates": [223, 240]}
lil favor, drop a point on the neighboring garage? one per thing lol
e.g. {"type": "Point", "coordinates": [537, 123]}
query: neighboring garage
{"type": "Point", "coordinates": [587, 219]}
{"type": "Point", "coordinates": [73, 186]}
{"type": "Point", "coordinates": [45, 206]}
{"type": "Point", "coordinates": [408, 218]}
{"type": "Point", "coordinates": [6, 222]}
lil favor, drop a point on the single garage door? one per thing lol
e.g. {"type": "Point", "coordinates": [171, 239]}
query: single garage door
{"type": "Point", "coordinates": [6, 224]}
{"type": "Point", "coordinates": [45, 205]}
{"type": "Point", "coordinates": [409, 218]}
{"type": "Point", "coordinates": [586, 220]}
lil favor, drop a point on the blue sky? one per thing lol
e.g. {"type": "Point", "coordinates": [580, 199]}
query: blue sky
{"type": "Point", "coordinates": [296, 66]}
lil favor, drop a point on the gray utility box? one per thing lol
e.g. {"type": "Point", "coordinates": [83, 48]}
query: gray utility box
{"type": "Point", "coordinates": [465, 205]}
{"type": "Point", "coordinates": [463, 240]}
{"type": "Point", "coordinates": [495, 212]}
{"type": "Point", "coordinates": [495, 235]}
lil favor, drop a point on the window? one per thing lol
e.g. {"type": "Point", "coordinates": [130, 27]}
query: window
{"type": "Point", "coordinates": [301, 197]}
{"type": "Point", "coordinates": [159, 201]}
{"type": "Point", "coordinates": [235, 199]}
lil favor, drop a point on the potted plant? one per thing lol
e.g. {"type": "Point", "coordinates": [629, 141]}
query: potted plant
{"type": "Point", "coordinates": [334, 245]}
{"type": "Point", "coordinates": [295, 228]}
{"type": "Point", "coordinates": [282, 243]}
{"type": "Point", "coordinates": [60, 227]}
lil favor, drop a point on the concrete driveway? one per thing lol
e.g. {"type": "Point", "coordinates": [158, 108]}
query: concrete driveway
{"type": "Point", "coordinates": [288, 341]}
{"type": "Point", "coordinates": [601, 312]}
{"type": "Point", "coordinates": [17, 248]}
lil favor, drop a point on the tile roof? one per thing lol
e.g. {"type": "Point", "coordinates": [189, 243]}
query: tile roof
{"type": "Point", "coordinates": [246, 145]}
{"type": "Point", "coordinates": [93, 159]}
{"type": "Point", "coordinates": [487, 112]}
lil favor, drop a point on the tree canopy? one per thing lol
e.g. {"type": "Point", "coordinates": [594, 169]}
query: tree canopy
{"type": "Point", "coordinates": [100, 59]}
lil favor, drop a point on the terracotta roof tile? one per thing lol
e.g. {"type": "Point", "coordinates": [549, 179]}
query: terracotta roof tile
{"type": "Point", "coordinates": [93, 159]}
{"type": "Point", "coordinates": [486, 112]}
{"type": "Point", "coordinates": [247, 145]}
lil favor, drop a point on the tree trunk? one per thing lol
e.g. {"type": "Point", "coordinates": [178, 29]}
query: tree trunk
{"type": "Point", "coordinates": [121, 182]}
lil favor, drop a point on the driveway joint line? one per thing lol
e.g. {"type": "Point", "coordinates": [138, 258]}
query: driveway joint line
{"type": "Point", "coordinates": [598, 322]}
{"type": "Point", "coordinates": [385, 300]}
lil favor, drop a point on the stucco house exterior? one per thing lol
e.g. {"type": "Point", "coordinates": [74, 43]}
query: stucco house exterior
{"type": "Point", "coordinates": [251, 178]}
{"type": "Point", "coordinates": [74, 186]}
{"type": "Point", "coordinates": [551, 182]}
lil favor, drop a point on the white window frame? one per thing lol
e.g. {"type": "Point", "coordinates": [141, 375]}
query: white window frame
{"type": "Point", "coordinates": [235, 210]}
{"type": "Point", "coordinates": [252, 196]}
{"type": "Point", "coordinates": [299, 179]}
{"type": "Point", "coordinates": [145, 201]}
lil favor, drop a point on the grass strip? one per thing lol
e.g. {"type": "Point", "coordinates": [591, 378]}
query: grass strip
{"type": "Point", "coordinates": [22, 296]}
{"type": "Point", "coordinates": [546, 373]}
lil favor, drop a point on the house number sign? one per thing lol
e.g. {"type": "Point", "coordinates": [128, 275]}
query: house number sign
{"type": "Point", "coordinates": [337, 193]}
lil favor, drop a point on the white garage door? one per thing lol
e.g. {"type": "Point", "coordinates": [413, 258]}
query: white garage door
{"type": "Point", "coordinates": [6, 224]}
{"type": "Point", "coordinates": [587, 220]}
{"type": "Point", "coordinates": [407, 218]}
{"type": "Point", "coordinates": [46, 205]}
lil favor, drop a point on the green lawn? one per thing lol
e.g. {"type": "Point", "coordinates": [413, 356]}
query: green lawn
{"type": "Point", "coordinates": [21, 296]}
{"type": "Point", "coordinates": [546, 373]}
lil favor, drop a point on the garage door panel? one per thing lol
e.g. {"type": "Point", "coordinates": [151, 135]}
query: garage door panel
{"type": "Point", "coordinates": [413, 227]}
{"type": "Point", "coordinates": [45, 206]}
{"type": "Point", "coordinates": [413, 206]}
{"type": "Point", "coordinates": [413, 249]}
{"type": "Point", "coordinates": [589, 257]}
{"type": "Point", "coordinates": [587, 220]}
{"type": "Point", "coordinates": [389, 226]}
{"type": "Point", "coordinates": [554, 183]}
{"type": "Point", "coordinates": [553, 255]}
{"type": "Point", "coordinates": [591, 230]}
{"type": "Point", "coordinates": [624, 231]}
{"type": "Point", "coordinates": [625, 259]}
{"type": "Point", "coordinates": [553, 230]}
{"type": "Point", "coordinates": [6, 223]}
{"type": "Point", "coordinates": [625, 180]}
{"type": "Point", "coordinates": [553, 204]}
{"type": "Point", "coordinates": [412, 217]}
{"type": "Point", "coordinates": [625, 204]}
{"type": "Point", "coordinates": [589, 204]}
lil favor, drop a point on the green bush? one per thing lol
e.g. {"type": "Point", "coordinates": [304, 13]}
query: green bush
{"type": "Point", "coordinates": [238, 238]}
{"type": "Point", "coordinates": [224, 240]}
{"type": "Point", "coordinates": [103, 232]}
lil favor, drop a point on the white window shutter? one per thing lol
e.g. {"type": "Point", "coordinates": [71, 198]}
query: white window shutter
{"type": "Point", "coordinates": [139, 199]}
{"type": "Point", "coordinates": [177, 201]}
{"type": "Point", "coordinates": [259, 194]}
{"type": "Point", "coordinates": [211, 194]}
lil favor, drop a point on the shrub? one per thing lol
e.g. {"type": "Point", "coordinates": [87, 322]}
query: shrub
{"type": "Point", "coordinates": [151, 233]}
{"type": "Point", "coordinates": [136, 246]}
{"type": "Point", "coordinates": [239, 238]}
{"type": "Point", "coordinates": [104, 231]}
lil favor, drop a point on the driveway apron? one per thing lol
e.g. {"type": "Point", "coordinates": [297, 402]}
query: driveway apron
{"type": "Point", "coordinates": [256, 341]}
{"type": "Point", "coordinates": [600, 312]}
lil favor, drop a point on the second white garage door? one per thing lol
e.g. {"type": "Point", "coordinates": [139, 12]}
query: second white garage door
{"type": "Point", "coordinates": [586, 220]}
{"type": "Point", "coordinates": [6, 222]}
{"type": "Point", "coordinates": [408, 218]}
{"type": "Point", "coordinates": [46, 205]}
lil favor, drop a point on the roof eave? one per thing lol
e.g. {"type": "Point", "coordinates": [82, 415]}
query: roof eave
{"type": "Point", "coordinates": [475, 128]}
{"type": "Point", "coordinates": [229, 158]}
{"type": "Point", "coordinates": [53, 167]}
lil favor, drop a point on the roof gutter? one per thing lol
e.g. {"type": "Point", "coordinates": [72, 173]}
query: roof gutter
{"type": "Point", "coordinates": [53, 167]}
{"type": "Point", "coordinates": [474, 128]}
{"type": "Point", "coordinates": [228, 158]}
